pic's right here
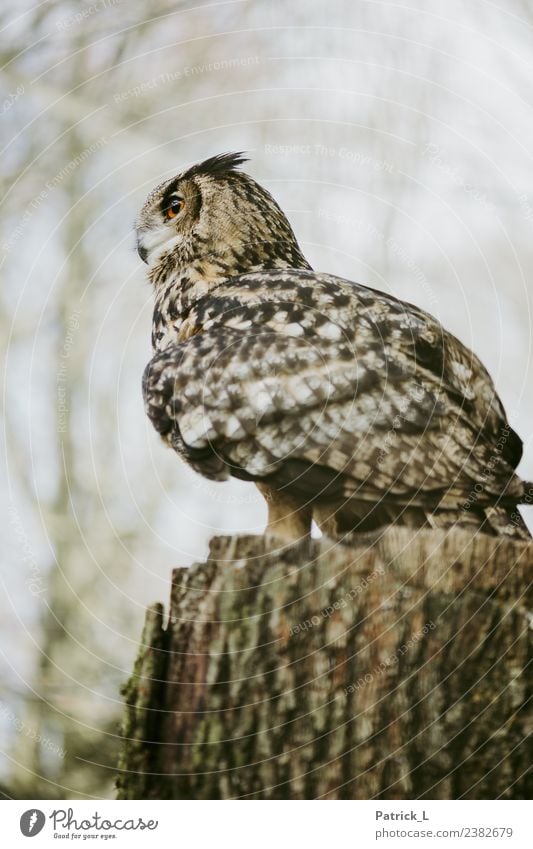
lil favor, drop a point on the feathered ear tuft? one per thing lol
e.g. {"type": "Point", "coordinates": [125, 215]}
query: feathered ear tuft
{"type": "Point", "coordinates": [216, 166]}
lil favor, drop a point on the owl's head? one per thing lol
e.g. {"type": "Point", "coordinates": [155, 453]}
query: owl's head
{"type": "Point", "coordinates": [215, 221]}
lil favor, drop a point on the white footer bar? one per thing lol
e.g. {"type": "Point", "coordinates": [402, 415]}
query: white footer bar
{"type": "Point", "coordinates": [273, 825]}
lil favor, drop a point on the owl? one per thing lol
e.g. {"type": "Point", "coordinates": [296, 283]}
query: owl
{"type": "Point", "coordinates": [341, 403]}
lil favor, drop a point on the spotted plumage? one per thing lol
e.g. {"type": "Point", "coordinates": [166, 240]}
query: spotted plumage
{"type": "Point", "coordinates": [341, 402]}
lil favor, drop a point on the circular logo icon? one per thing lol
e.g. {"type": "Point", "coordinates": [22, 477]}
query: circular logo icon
{"type": "Point", "coordinates": [32, 822]}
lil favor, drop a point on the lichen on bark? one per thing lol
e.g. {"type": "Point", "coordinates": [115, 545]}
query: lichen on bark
{"type": "Point", "coordinates": [389, 666]}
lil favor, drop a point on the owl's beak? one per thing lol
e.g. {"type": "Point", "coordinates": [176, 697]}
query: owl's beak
{"type": "Point", "coordinates": [141, 250]}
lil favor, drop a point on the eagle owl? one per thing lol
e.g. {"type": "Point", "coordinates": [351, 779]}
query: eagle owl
{"type": "Point", "coordinates": [341, 403]}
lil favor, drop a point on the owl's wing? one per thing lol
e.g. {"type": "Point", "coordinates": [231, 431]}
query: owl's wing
{"type": "Point", "coordinates": [397, 334]}
{"type": "Point", "coordinates": [340, 410]}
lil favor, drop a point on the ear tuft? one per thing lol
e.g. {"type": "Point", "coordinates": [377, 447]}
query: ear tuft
{"type": "Point", "coordinates": [216, 166]}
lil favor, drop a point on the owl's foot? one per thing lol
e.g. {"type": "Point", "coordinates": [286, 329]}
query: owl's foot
{"type": "Point", "coordinates": [289, 519]}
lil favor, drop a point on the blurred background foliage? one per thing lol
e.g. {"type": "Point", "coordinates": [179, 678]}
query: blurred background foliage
{"type": "Point", "coordinates": [397, 140]}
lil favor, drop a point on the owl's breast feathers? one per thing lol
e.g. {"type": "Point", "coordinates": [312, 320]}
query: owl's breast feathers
{"type": "Point", "coordinates": [333, 389]}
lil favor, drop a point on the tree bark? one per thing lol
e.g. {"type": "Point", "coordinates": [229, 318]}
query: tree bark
{"type": "Point", "coordinates": [387, 666]}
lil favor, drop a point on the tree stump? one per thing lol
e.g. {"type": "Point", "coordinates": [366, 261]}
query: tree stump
{"type": "Point", "coordinates": [385, 666]}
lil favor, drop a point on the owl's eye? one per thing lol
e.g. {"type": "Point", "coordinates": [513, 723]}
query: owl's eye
{"type": "Point", "coordinates": [175, 206]}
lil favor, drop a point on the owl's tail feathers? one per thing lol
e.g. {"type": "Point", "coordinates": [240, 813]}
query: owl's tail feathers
{"type": "Point", "coordinates": [527, 495]}
{"type": "Point", "coordinates": [508, 520]}
{"type": "Point", "coordinates": [505, 521]}
{"type": "Point", "coordinates": [500, 519]}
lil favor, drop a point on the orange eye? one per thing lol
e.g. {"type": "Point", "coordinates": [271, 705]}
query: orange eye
{"type": "Point", "coordinates": [175, 206]}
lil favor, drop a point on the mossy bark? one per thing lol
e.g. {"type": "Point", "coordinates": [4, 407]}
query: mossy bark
{"type": "Point", "coordinates": [390, 666]}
